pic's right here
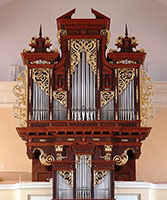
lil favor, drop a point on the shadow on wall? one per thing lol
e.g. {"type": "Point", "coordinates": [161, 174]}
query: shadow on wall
{"type": "Point", "coordinates": [15, 70]}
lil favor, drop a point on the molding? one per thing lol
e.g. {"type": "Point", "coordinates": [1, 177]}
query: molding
{"type": "Point", "coordinates": [118, 185]}
{"type": "Point", "coordinates": [140, 185]}
{"type": "Point", "coordinates": [160, 95]}
{"type": "Point", "coordinates": [26, 185]}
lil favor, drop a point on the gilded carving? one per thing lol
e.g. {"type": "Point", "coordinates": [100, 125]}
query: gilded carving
{"type": "Point", "coordinates": [124, 77]}
{"type": "Point", "coordinates": [67, 175]}
{"type": "Point", "coordinates": [58, 148]}
{"type": "Point", "coordinates": [40, 62]}
{"type": "Point", "coordinates": [106, 96]}
{"type": "Point", "coordinates": [99, 176]}
{"type": "Point", "coordinates": [79, 157]}
{"type": "Point", "coordinates": [126, 61]}
{"type": "Point", "coordinates": [44, 158]}
{"type": "Point", "coordinates": [123, 158]}
{"type": "Point", "coordinates": [20, 106]}
{"type": "Point", "coordinates": [106, 157]}
{"type": "Point", "coordinates": [41, 77]}
{"type": "Point", "coordinates": [61, 97]}
{"type": "Point", "coordinates": [83, 45]}
{"type": "Point", "coordinates": [59, 157]}
{"type": "Point", "coordinates": [146, 102]}
{"type": "Point", "coordinates": [106, 33]}
{"type": "Point", "coordinates": [60, 33]}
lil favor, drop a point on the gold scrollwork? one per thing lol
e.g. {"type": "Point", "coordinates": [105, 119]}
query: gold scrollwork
{"type": "Point", "coordinates": [60, 33]}
{"type": "Point", "coordinates": [67, 175]}
{"type": "Point", "coordinates": [79, 157]}
{"type": "Point", "coordinates": [99, 176]}
{"type": "Point", "coordinates": [123, 159]}
{"type": "Point", "coordinates": [20, 106]}
{"type": "Point", "coordinates": [106, 33]}
{"type": "Point", "coordinates": [44, 158]}
{"type": "Point", "coordinates": [59, 157]}
{"type": "Point", "coordinates": [83, 45]}
{"type": "Point", "coordinates": [124, 77]}
{"type": "Point", "coordinates": [106, 157]}
{"type": "Point", "coordinates": [146, 102]}
{"type": "Point", "coordinates": [61, 96]}
{"type": "Point", "coordinates": [106, 96]}
{"type": "Point", "coordinates": [41, 77]}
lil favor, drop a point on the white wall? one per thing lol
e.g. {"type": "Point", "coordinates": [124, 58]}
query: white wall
{"type": "Point", "coordinates": [20, 20]}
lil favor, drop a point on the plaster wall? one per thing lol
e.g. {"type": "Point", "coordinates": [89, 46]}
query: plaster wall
{"type": "Point", "coordinates": [20, 19]}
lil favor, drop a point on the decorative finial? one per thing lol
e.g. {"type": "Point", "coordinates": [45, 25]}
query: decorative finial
{"type": "Point", "coordinates": [126, 31]}
{"type": "Point", "coordinates": [40, 31]}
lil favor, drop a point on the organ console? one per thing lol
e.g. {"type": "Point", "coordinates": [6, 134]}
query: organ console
{"type": "Point", "coordinates": [85, 112]}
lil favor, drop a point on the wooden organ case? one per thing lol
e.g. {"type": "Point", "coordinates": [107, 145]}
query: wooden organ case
{"type": "Point", "coordinates": [81, 111]}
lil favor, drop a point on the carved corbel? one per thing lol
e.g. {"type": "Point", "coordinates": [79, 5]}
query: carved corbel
{"type": "Point", "coordinates": [59, 150]}
{"type": "Point", "coordinates": [122, 159]}
{"type": "Point", "coordinates": [108, 150]}
{"type": "Point", "coordinates": [44, 158]}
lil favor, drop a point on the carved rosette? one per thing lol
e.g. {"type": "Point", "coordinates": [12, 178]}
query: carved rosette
{"type": "Point", "coordinates": [107, 33]}
{"type": "Point", "coordinates": [124, 77]}
{"type": "Point", "coordinates": [99, 176]}
{"type": "Point", "coordinates": [60, 33]}
{"type": "Point", "coordinates": [20, 106]}
{"type": "Point", "coordinates": [146, 102]}
{"type": "Point", "coordinates": [83, 45]}
{"type": "Point", "coordinates": [61, 97]}
{"type": "Point", "coordinates": [41, 77]}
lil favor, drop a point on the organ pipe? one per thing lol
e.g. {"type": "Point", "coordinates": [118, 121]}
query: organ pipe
{"type": "Point", "coordinates": [40, 109]}
{"type": "Point", "coordinates": [126, 103]}
{"type": "Point", "coordinates": [83, 91]}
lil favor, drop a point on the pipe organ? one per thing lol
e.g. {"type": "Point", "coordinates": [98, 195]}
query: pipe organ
{"type": "Point", "coordinates": [82, 113]}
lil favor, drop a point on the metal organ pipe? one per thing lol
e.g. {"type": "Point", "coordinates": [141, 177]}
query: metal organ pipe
{"type": "Point", "coordinates": [59, 111]}
{"type": "Point", "coordinates": [126, 103]}
{"type": "Point", "coordinates": [83, 180]}
{"type": "Point", "coordinates": [40, 104]}
{"type": "Point", "coordinates": [83, 91]}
